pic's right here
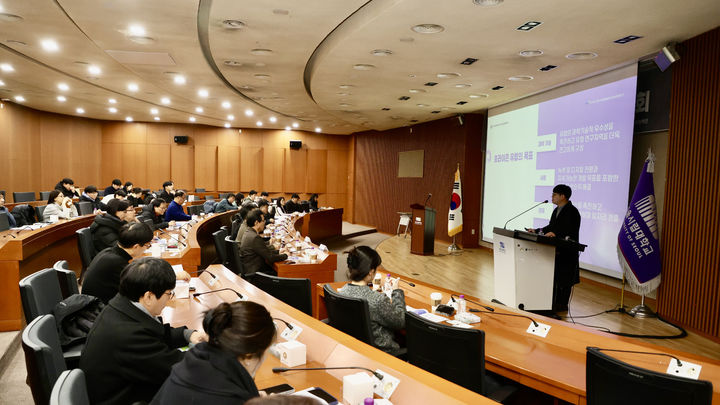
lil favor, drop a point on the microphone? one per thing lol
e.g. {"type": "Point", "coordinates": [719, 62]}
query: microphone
{"type": "Point", "coordinates": [284, 369]}
{"type": "Point", "coordinates": [288, 324]}
{"type": "Point", "coordinates": [428, 198]}
{"type": "Point", "coordinates": [407, 282]}
{"type": "Point", "coordinates": [543, 202]}
{"type": "Point", "coordinates": [491, 309]}
{"type": "Point", "coordinates": [679, 364]}
{"type": "Point", "coordinates": [198, 272]}
{"type": "Point", "coordinates": [195, 295]}
{"type": "Point", "coordinates": [501, 313]}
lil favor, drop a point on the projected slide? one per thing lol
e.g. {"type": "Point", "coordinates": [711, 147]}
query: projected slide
{"type": "Point", "coordinates": [583, 140]}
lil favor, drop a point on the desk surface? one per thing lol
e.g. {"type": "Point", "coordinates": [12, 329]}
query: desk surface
{"type": "Point", "coordinates": [326, 347]}
{"type": "Point", "coordinates": [555, 364]}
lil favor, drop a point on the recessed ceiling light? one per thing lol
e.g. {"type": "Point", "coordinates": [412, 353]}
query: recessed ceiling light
{"type": "Point", "coordinates": [248, 112]}
{"type": "Point", "coordinates": [381, 52]}
{"type": "Point", "coordinates": [363, 66]}
{"type": "Point", "coordinates": [233, 63]}
{"type": "Point", "coordinates": [156, 118]}
{"type": "Point", "coordinates": [50, 45]}
{"type": "Point", "coordinates": [231, 117]}
{"type": "Point", "coordinates": [137, 30]}
{"type": "Point", "coordinates": [2, 83]}
{"type": "Point", "coordinates": [422, 105]}
{"type": "Point", "coordinates": [529, 53]}
{"type": "Point", "coordinates": [428, 28]}
{"type": "Point", "coordinates": [233, 24]}
{"type": "Point", "coordinates": [262, 76]}
{"type": "Point", "coordinates": [6, 67]}
{"type": "Point", "coordinates": [113, 110]}
{"type": "Point", "coordinates": [225, 104]}
{"type": "Point", "coordinates": [129, 119]}
{"type": "Point", "coordinates": [61, 99]}
{"type": "Point", "coordinates": [482, 95]}
{"type": "Point", "coordinates": [165, 100]}
{"type": "Point", "coordinates": [7, 17]}
{"type": "Point", "coordinates": [138, 39]}
{"type": "Point", "coordinates": [449, 75]}
{"type": "Point", "coordinates": [346, 86]}
{"type": "Point", "coordinates": [80, 110]}
{"type": "Point", "coordinates": [132, 87]}
{"type": "Point", "coordinates": [407, 39]}
{"type": "Point", "coordinates": [344, 94]}
{"type": "Point", "coordinates": [261, 52]}
{"type": "Point", "coordinates": [203, 93]}
{"type": "Point", "coordinates": [259, 123]}
{"type": "Point", "coordinates": [417, 91]}
{"type": "Point", "coordinates": [344, 105]}
{"type": "Point", "coordinates": [581, 55]}
{"type": "Point", "coordinates": [487, 2]}
{"type": "Point", "coordinates": [19, 98]}
{"type": "Point", "coordinates": [260, 64]}
{"type": "Point", "coordinates": [318, 129]}
{"type": "Point", "coordinates": [199, 110]}
{"type": "Point", "coordinates": [272, 119]}
{"type": "Point", "coordinates": [63, 87]}
{"type": "Point", "coordinates": [295, 125]}
{"type": "Point", "coordinates": [192, 119]}
{"type": "Point", "coordinates": [94, 70]}
{"type": "Point", "coordinates": [227, 125]}
{"type": "Point", "coordinates": [179, 79]}
{"type": "Point", "coordinates": [112, 101]}
{"type": "Point", "coordinates": [463, 85]}
{"type": "Point", "coordinates": [287, 128]}
{"type": "Point", "coordinates": [154, 111]}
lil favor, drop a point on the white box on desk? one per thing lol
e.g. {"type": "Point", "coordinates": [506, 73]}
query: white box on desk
{"type": "Point", "coordinates": [292, 353]}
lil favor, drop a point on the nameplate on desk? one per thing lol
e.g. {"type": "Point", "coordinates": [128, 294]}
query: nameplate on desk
{"type": "Point", "coordinates": [540, 330]}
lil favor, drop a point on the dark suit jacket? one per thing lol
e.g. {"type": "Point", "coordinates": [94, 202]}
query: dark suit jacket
{"type": "Point", "coordinates": [567, 224]}
{"type": "Point", "coordinates": [256, 255]}
{"type": "Point", "coordinates": [167, 196]}
{"type": "Point", "coordinates": [105, 231]}
{"type": "Point", "coordinates": [128, 354]}
{"type": "Point", "coordinates": [291, 207]}
{"type": "Point", "coordinates": [102, 277]}
{"type": "Point", "coordinates": [148, 212]}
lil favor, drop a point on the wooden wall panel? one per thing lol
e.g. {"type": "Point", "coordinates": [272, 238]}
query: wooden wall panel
{"type": "Point", "coordinates": [158, 166]}
{"type": "Point", "coordinates": [690, 290]}
{"type": "Point", "coordinates": [55, 151]}
{"type": "Point", "coordinates": [182, 161]}
{"type": "Point", "coordinates": [205, 167]}
{"type": "Point", "coordinates": [251, 169]}
{"type": "Point", "coordinates": [111, 164]}
{"type": "Point", "coordinates": [295, 170]}
{"type": "Point", "coordinates": [317, 171]}
{"type": "Point", "coordinates": [273, 163]}
{"type": "Point", "coordinates": [134, 163]}
{"type": "Point", "coordinates": [85, 136]}
{"type": "Point", "coordinates": [337, 171]}
{"type": "Point", "coordinates": [228, 168]}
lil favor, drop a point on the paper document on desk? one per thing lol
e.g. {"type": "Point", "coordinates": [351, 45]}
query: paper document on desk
{"type": "Point", "coordinates": [433, 318]}
{"type": "Point", "coordinates": [182, 289]}
{"type": "Point", "coordinates": [177, 268]}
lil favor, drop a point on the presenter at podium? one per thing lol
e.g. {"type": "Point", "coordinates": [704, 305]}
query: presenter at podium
{"type": "Point", "coordinates": [564, 224]}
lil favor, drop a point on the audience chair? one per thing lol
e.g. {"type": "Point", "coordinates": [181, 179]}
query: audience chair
{"type": "Point", "coordinates": [39, 212]}
{"type": "Point", "coordinates": [84, 208]}
{"type": "Point", "coordinates": [23, 196]}
{"type": "Point", "coordinates": [233, 257]}
{"type": "Point", "coordinates": [455, 354]}
{"type": "Point", "coordinates": [295, 292]}
{"type": "Point", "coordinates": [220, 249]}
{"type": "Point", "coordinates": [70, 389]}
{"type": "Point", "coordinates": [235, 227]}
{"type": "Point", "coordinates": [44, 195]}
{"type": "Point", "coordinates": [67, 278]}
{"type": "Point", "coordinates": [195, 209]}
{"type": "Point", "coordinates": [86, 249]}
{"type": "Point", "coordinates": [349, 315]}
{"type": "Point", "coordinates": [224, 195]}
{"type": "Point", "coordinates": [199, 190]}
{"type": "Point", "coordinates": [43, 357]}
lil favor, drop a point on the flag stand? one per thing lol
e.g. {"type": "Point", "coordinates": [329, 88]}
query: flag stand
{"type": "Point", "coordinates": [454, 249]}
{"type": "Point", "coordinates": [642, 310]}
{"type": "Point", "coordinates": [622, 296]}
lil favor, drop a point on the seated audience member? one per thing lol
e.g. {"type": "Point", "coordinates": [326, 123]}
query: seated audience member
{"type": "Point", "coordinates": [175, 210]}
{"type": "Point", "coordinates": [280, 205]}
{"type": "Point", "coordinates": [293, 205]}
{"type": "Point", "coordinates": [106, 227]}
{"type": "Point", "coordinates": [227, 204]}
{"type": "Point", "coordinates": [313, 200]}
{"type": "Point", "coordinates": [114, 186]}
{"type": "Point", "coordinates": [118, 194]}
{"type": "Point", "coordinates": [128, 187]}
{"type": "Point", "coordinates": [59, 205]}
{"type": "Point", "coordinates": [386, 315]}
{"type": "Point", "coordinates": [4, 209]}
{"type": "Point", "coordinates": [239, 197]}
{"type": "Point", "coordinates": [242, 214]}
{"type": "Point", "coordinates": [168, 193]}
{"type": "Point", "coordinates": [147, 196]}
{"type": "Point", "coordinates": [255, 253]}
{"type": "Point", "coordinates": [67, 187]}
{"type": "Point", "coordinates": [156, 211]}
{"type": "Point", "coordinates": [135, 197]}
{"type": "Point", "coordinates": [264, 206]}
{"type": "Point", "coordinates": [129, 351]}
{"type": "Point", "coordinates": [221, 371]}
{"type": "Point", "coordinates": [251, 196]}
{"type": "Point", "coordinates": [265, 196]}
{"type": "Point", "coordinates": [90, 194]}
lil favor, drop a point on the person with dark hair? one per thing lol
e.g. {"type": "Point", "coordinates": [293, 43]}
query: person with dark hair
{"type": "Point", "coordinates": [128, 187]}
{"type": "Point", "coordinates": [118, 194]}
{"type": "Point", "coordinates": [129, 351]}
{"type": "Point", "coordinates": [280, 205]}
{"type": "Point", "coordinates": [59, 205]}
{"type": "Point", "coordinates": [264, 205]}
{"type": "Point", "coordinates": [90, 194]}
{"type": "Point", "coordinates": [252, 195]}
{"type": "Point", "coordinates": [255, 253]}
{"type": "Point", "coordinates": [239, 197]}
{"type": "Point", "coordinates": [105, 228]}
{"type": "Point", "coordinates": [386, 315]}
{"type": "Point", "coordinates": [227, 204]}
{"type": "Point", "coordinates": [175, 210]}
{"type": "Point", "coordinates": [221, 371]}
{"type": "Point", "coordinates": [4, 209]}
{"type": "Point", "coordinates": [265, 196]}
{"type": "Point", "coordinates": [313, 200]}
{"type": "Point", "coordinates": [115, 185]}
{"type": "Point", "coordinates": [293, 205]}
{"type": "Point", "coordinates": [564, 224]}
{"type": "Point", "coordinates": [147, 196]}
{"type": "Point", "coordinates": [67, 187]}
{"type": "Point", "coordinates": [168, 193]}
{"type": "Point", "coordinates": [134, 196]}
{"type": "Point", "coordinates": [156, 212]}
{"type": "Point", "coordinates": [244, 210]}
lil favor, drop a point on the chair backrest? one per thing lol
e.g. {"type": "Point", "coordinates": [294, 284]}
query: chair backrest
{"type": "Point", "coordinates": [70, 389]}
{"type": "Point", "coordinates": [220, 249]}
{"type": "Point", "coordinates": [67, 278]}
{"type": "Point", "coordinates": [295, 292]}
{"type": "Point", "coordinates": [39, 293]}
{"type": "Point", "coordinates": [224, 195]}
{"type": "Point", "coordinates": [44, 195]}
{"type": "Point", "coordinates": [4, 221]}
{"type": "Point", "coordinates": [86, 248]}
{"type": "Point", "coordinates": [199, 190]}
{"type": "Point", "coordinates": [39, 212]}
{"type": "Point", "coordinates": [455, 354]}
{"type": "Point", "coordinates": [195, 209]}
{"type": "Point", "coordinates": [43, 356]}
{"type": "Point", "coordinates": [148, 221]}
{"type": "Point", "coordinates": [235, 227]}
{"type": "Point", "coordinates": [233, 256]}
{"type": "Point", "coordinates": [23, 196]}
{"type": "Point", "coordinates": [84, 208]}
{"type": "Point", "coordinates": [348, 314]}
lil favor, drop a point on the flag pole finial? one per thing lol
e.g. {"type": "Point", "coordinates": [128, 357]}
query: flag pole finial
{"type": "Point", "coordinates": [651, 161]}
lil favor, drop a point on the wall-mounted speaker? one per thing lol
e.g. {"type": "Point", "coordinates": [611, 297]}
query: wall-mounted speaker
{"type": "Point", "coordinates": [667, 55]}
{"type": "Point", "coordinates": [294, 144]}
{"type": "Point", "coordinates": [182, 139]}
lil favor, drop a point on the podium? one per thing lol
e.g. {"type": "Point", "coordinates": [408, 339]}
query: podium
{"type": "Point", "coordinates": [422, 240]}
{"type": "Point", "coordinates": [525, 268]}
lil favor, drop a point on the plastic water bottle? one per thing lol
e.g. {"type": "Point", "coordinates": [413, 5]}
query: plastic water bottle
{"type": "Point", "coordinates": [388, 283]}
{"type": "Point", "coordinates": [462, 305]}
{"type": "Point", "coordinates": [368, 401]}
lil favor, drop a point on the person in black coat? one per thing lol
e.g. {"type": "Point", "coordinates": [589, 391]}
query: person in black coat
{"type": "Point", "coordinates": [293, 205]}
{"type": "Point", "coordinates": [168, 193]}
{"type": "Point", "coordinates": [105, 228]}
{"type": "Point", "coordinates": [155, 210]}
{"type": "Point", "coordinates": [135, 197]}
{"type": "Point", "coordinates": [90, 194]}
{"type": "Point", "coordinates": [221, 371]}
{"type": "Point", "coordinates": [564, 224]}
{"type": "Point", "coordinates": [255, 253]}
{"type": "Point", "coordinates": [67, 187]}
{"type": "Point", "coordinates": [313, 200]}
{"type": "Point", "coordinates": [114, 186]}
{"type": "Point", "coordinates": [129, 351]}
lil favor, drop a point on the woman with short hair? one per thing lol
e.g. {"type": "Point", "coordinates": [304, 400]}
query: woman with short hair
{"type": "Point", "coordinates": [59, 205]}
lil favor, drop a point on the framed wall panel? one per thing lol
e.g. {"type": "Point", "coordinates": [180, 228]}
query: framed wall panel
{"type": "Point", "coordinates": [251, 168]}
{"type": "Point", "coordinates": [273, 164]}
{"type": "Point", "coordinates": [337, 171]}
{"type": "Point", "coordinates": [205, 167]}
{"type": "Point", "coordinates": [158, 166]}
{"type": "Point", "coordinates": [317, 171]}
{"type": "Point", "coordinates": [228, 168]}
{"type": "Point", "coordinates": [182, 161]}
{"type": "Point", "coordinates": [295, 170]}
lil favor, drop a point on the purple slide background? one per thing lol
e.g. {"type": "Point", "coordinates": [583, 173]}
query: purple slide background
{"type": "Point", "coordinates": [612, 157]}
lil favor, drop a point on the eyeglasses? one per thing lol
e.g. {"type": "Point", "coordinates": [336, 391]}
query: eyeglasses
{"type": "Point", "coordinates": [171, 293]}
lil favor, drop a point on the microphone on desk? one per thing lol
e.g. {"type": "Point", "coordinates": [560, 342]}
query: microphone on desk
{"type": "Point", "coordinates": [428, 198]}
{"type": "Point", "coordinates": [284, 369]}
{"type": "Point", "coordinates": [195, 295]}
{"type": "Point", "coordinates": [407, 282]}
{"type": "Point", "coordinates": [197, 272]}
{"type": "Point", "coordinates": [679, 363]}
{"type": "Point", "coordinates": [288, 324]}
{"type": "Point", "coordinates": [491, 309]}
{"type": "Point", "coordinates": [502, 313]}
{"type": "Point", "coordinates": [534, 206]}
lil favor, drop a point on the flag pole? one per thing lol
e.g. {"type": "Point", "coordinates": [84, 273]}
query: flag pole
{"type": "Point", "coordinates": [622, 295]}
{"type": "Point", "coordinates": [454, 249]}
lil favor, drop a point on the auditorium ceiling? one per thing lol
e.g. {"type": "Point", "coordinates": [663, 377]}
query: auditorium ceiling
{"type": "Point", "coordinates": [336, 67]}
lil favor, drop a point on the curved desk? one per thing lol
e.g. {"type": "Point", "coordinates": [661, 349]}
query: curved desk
{"type": "Point", "coordinates": [321, 225]}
